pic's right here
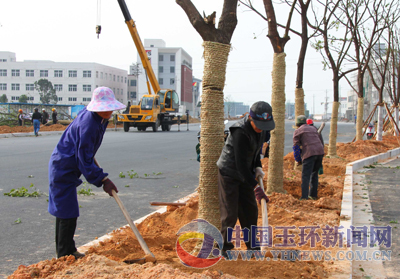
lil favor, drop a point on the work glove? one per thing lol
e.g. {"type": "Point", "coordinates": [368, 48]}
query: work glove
{"type": "Point", "coordinates": [259, 172]}
{"type": "Point", "coordinates": [108, 186]}
{"type": "Point", "coordinates": [259, 192]}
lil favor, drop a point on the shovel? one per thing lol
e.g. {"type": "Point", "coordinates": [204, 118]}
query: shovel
{"type": "Point", "coordinates": [149, 255]}
{"type": "Point", "coordinates": [264, 209]}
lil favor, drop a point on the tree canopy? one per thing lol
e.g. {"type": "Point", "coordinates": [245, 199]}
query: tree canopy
{"type": "Point", "coordinates": [3, 98]}
{"type": "Point", "coordinates": [23, 99]}
{"type": "Point", "coordinates": [46, 91]}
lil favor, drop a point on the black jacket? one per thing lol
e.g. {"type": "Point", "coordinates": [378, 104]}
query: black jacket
{"type": "Point", "coordinates": [241, 153]}
{"type": "Point", "coordinates": [37, 115]}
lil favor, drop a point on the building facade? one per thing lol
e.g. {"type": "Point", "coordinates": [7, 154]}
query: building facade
{"type": "Point", "coordinates": [173, 68]}
{"type": "Point", "coordinates": [74, 82]}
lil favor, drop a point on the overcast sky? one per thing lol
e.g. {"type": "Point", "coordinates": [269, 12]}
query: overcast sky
{"type": "Point", "coordinates": [64, 31]}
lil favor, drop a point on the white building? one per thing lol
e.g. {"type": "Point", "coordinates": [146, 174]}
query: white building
{"type": "Point", "coordinates": [173, 68]}
{"type": "Point", "coordinates": [74, 82]}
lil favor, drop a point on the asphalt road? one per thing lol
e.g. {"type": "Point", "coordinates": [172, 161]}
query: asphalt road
{"type": "Point", "coordinates": [27, 229]}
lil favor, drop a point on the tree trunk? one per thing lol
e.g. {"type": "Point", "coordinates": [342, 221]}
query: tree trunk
{"type": "Point", "coordinates": [333, 131]}
{"type": "Point", "coordinates": [299, 102]}
{"type": "Point", "coordinates": [380, 123]}
{"type": "Point", "coordinates": [212, 128]}
{"type": "Point", "coordinates": [360, 119]}
{"type": "Point", "coordinates": [275, 165]}
{"type": "Point", "coordinates": [396, 119]}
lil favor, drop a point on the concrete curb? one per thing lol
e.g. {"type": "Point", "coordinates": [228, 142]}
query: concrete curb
{"type": "Point", "coordinates": [84, 248]}
{"type": "Point", "coordinates": [347, 211]}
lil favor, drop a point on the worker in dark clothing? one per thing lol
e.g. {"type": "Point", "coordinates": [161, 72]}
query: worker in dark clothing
{"type": "Point", "coordinates": [239, 166]}
{"type": "Point", "coordinates": [54, 115]}
{"type": "Point", "coordinates": [45, 116]}
{"type": "Point", "coordinates": [36, 119]}
{"type": "Point", "coordinates": [74, 156]}
{"type": "Point", "coordinates": [310, 156]}
{"type": "Point", "coordinates": [20, 117]}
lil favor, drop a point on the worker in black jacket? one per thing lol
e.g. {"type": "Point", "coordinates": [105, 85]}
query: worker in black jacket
{"type": "Point", "coordinates": [239, 167]}
{"type": "Point", "coordinates": [36, 119]}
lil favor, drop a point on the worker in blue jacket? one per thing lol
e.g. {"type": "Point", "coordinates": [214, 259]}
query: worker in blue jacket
{"type": "Point", "coordinates": [74, 156]}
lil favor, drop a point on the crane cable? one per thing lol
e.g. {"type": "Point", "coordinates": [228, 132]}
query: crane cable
{"type": "Point", "coordinates": [98, 24]}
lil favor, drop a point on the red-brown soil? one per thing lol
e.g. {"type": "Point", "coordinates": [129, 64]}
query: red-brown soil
{"type": "Point", "coordinates": [159, 232]}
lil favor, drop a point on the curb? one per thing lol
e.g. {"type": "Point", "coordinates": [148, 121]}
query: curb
{"type": "Point", "coordinates": [347, 210]}
{"type": "Point", "coordinates": [84, 248]}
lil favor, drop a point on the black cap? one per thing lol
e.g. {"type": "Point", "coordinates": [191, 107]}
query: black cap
{"type": "Point", "coordinates": [261, 113]}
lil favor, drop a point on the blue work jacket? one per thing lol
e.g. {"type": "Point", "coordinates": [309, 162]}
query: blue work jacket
{"type": "Point", "coordinates": [73, 156]}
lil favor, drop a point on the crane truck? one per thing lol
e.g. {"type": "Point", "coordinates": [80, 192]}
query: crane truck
{"type": "Point", "coordinates": [154, 109]}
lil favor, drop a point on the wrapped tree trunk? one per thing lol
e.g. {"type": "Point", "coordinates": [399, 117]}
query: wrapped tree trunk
{"type": "Point", "coordinates": [299, 102]}
{"type": "Point", "coordinates": [333, 131]}
{"type": "Point", "coordinates": [360, 119]}
{"type": "Point", "coordinates": [276, 153]}
{"type": "Point", "coordinates": [396, 119]}
{"type": "Point", "coordinates": [379, 131]}
{"type": "Point", "coordinates": [212, 127]}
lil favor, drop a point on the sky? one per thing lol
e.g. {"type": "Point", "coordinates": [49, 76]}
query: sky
{"type": "Point", "coordinates": [64, 31]}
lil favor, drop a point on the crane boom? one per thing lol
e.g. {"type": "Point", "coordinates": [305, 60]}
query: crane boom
{"type": "Point", "coordinates": [140, 48]}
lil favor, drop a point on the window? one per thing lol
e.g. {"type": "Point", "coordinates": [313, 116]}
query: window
{"type": "Point", "coordinates": [29, 73]}
{"type": "Point", "coordinates": [87, 74]}
{"type": "Point", "coordinates": [172, 81]}
{"type": "Point", "coordinates": [15, 73]}
{"type": "Point", "coordinates": [105, 75]}
{"type": "Point", "coordinates": [3, 60]}
{"type": "Point", "coordinates": [133, 95]}
{"type": "Point", "coordinates": [172, 69]}
{"type": "Point", "coordinates": [72, 99]}
{"type": "Point", "coordinates": [58, 73]}
{"type": "Point", "coordinates": [15, 86]}
{"type": "Point", "coordinates": [58, 87]}
{"type": "Point", "coordinates": [172, 57]}
{"type": "Point", "coordinates": [44, 73]}
{"type": "Point", "coordinates": [87, 88]}
{"type": "Point", "coordinates": [60, 99]}
{"type": "Point", "coordinates": [14, 98]}
{"type": "Point", "coordinates": [117, 91]}
{"type": "Point", "coordinates": [86, 99]}
{"type": "Point", "coordinates": [72, 73]}
{"type": "Point", "coordinates": [160, 69]}
{"type": "Point", "coordinates": [101, 75]}
{"type": "Point", "coordinates": [160, 57]}
{"type": "Point", "coordinates": [114, 77]}
{"type": "Point", "coordinates": [133, 82]}
{"type": "Point", "coordinates": [3, 86]}
{"type": "Point", "coordinates": [118, 78]}
{"type": "Point", "coordinates": [122, 92]}
{"type": "Point", "coordinates": [29, 87]}
{"type": "Point", "coordinates": [125, 79]}
{"type": "Point", "coordinates": [3, 73]}
{"type": "Point", "coordinates": [31, 98]}
{"type": "Point", "coordinates": [72, 87]}
{"type": "Point", "coordinates": [97, 74]}
{"type": "Point", "coordinates": [161, 81]}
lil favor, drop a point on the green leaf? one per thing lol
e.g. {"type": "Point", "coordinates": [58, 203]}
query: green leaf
{"type": "Point", "coordinates": [18, 221]}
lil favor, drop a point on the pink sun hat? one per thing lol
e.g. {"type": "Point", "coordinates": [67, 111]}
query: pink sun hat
{"type": "Point", "coordinates": [103, 99]}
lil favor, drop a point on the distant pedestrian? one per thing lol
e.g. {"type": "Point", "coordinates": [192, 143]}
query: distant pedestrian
{"type": "Point", "coordinates": [36, 119]}
{"type": "Point", "coordinates": [355, 119]}
{"type": "Point", "coordinates": [54, 116]}
{"type": "Point", "coordinates": [20, 116]}
{"type": "Point", "coordinates": [45, 116]}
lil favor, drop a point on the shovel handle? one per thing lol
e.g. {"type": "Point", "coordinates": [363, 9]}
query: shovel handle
{"type": "Point", "coordinates": [132, 225]}
{"type": "Point", "coordinates": [264, 209]}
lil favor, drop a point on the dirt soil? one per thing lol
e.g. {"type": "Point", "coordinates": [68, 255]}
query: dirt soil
{"type": "Point", "coordinates": [159, 231]}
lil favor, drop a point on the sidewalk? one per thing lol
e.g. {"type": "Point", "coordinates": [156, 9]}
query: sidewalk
{"type": "Point", "coordinates": [371, 199]}
{"type": "Point", "coordinates": [31, 134]}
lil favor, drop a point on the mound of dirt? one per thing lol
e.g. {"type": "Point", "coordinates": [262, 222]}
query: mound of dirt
{"type": "Point", "coordinates": [106, 260]}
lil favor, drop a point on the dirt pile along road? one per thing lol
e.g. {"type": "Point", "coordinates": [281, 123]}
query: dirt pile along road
{"type": "Point", "coordinates": [159, 232]}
